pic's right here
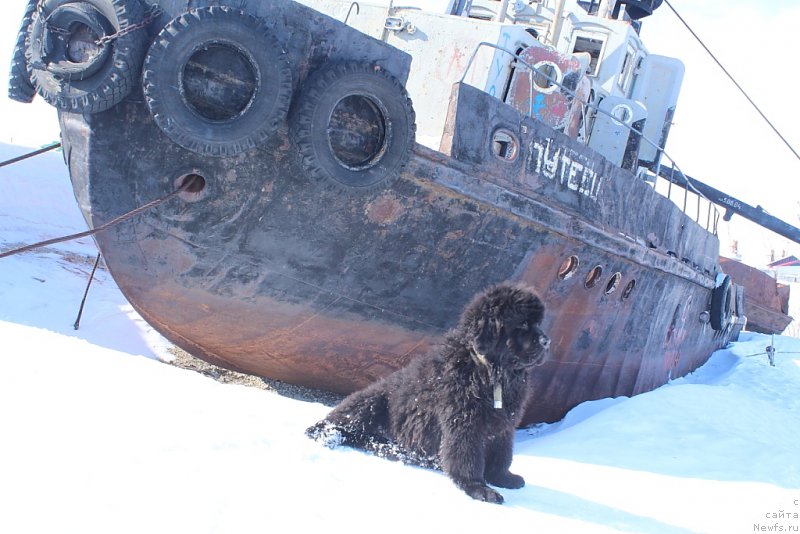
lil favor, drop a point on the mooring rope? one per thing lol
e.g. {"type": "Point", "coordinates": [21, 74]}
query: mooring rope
{"type": "Point", "coordinates": [122, 218]}
{"type": "Point", "coordinates": [767, 353]}
{"type": "Point", "coordinates": [770, 352]}
{"type": "Point", "coordinates": [30, 154]}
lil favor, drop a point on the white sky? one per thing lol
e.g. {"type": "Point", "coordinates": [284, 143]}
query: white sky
{"type": "Point", "coordinates": [717, 136]}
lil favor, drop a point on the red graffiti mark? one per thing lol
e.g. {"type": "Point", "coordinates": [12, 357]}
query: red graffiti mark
{"type": "Point", "coordinates": [456, 60]}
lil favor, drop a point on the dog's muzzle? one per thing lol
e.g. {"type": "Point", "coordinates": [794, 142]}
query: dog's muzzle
{"type": "Point", "coordinates": [538, 352]}
{"type": "Point", "coordinates": [544, 341]}
{"type": "Point", "coordinates": [543, 352]}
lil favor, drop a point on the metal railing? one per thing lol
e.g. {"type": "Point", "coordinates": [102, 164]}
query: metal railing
{"type": "Point", "coordinates": [713, 215]}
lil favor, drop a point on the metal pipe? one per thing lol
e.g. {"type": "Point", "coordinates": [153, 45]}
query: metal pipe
{"type": "Point", "coordinates": [606, 8]}
{"type": "Point", "coordinates": [558, 20]}
{"type": "Point", "coordinates": [734, 206]}
{"type": "Point", "coordinates": [389, 11]}
{"type": "Point", "coordinates": [501, 14]}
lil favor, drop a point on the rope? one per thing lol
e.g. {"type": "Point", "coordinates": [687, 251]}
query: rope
{"type": "Point", "coordinates": [30, 154]}
{"type": "Point", "coordinates": [122, 218]}
{"type": "Point", "coordinates": [770, 352]}
{"type": "Point", "coordinates": [774, 129]}
{"type": "Point", "coordinates": [766, 354]}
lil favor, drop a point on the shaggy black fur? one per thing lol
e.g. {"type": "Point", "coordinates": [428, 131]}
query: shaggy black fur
{"type": "Point", "coordinates": [443, 410]}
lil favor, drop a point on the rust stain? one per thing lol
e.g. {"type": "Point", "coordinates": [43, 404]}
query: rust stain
{"type": "Point", "coordinates": [384, 210]}
{"type": "Point", "coordinates": [454, 234]}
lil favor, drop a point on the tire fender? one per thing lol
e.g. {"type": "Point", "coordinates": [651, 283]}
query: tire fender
{"type": "Point", "coordinates": [354, 126]}
{"type": "Point", "coordinates": [216, 82]}
{"type": "Point", "coordinates": [69, 68]}
{"type": "Point", "coordinates": [722, 302]}
{"type": "Point", "coordinates": [20, 86]}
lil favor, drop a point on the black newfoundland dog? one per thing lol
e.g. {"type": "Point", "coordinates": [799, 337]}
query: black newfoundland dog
{"type": "Point", "coordinates": [457, 408]}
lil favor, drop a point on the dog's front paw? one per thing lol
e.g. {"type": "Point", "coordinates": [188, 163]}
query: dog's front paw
{"type": "Point", "coordinates": [326, 434]}
{"type": "Point", "coordinates": [487, 494]}
{"type": "Point", "coordinates": [482, 492]}
{"type": "Point", "coordinates": [506, 480]}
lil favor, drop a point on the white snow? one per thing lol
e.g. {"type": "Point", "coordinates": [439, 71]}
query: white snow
{"type": "Point", "coordinates": [98, 436]}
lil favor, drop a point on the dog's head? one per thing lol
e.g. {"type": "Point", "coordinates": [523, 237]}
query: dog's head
{"type": "Point", "coordinates": [503, 324]}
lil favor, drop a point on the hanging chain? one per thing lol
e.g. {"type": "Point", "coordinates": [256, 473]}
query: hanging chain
{"type": "Point", "coordinates": [153, 12]}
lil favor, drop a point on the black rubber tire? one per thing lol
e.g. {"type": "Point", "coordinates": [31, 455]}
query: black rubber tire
{"type": "Point", "coordinates": [92, 87]}
{"type": "Point", "coordinates": [64, 16]}
{"type": "Point", "coordinates": [722, 301]}
{"type": "Point", "coordinates": [170, 99]}
{"type": "Point", "coordinates": [379, 93]}
{"type": "Point", "coordinates": [20, 86]}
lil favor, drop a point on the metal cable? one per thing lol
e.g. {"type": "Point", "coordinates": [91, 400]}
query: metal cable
{"type": "Point", "coordinates": [728, 74]}
{"type": "Point", "coordinates": [30, 154]}
{"type": "Point", "coordinates": [122, 218]}
{"type": "Point", "coordinates": [77, 323]}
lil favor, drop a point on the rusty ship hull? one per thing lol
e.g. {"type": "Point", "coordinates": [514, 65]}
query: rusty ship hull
{"type": "Point", "coordinates": [266, 268]}
{"type": "Point", "coordinates": [286, 278]}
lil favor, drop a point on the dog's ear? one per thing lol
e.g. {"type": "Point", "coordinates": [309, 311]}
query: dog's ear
{"type": "Point", "coordinates": [536, 311]}
{"type": "Point", "coordinates": [482, 320]}
{"type": "Point", "coordinates": [486, 334]}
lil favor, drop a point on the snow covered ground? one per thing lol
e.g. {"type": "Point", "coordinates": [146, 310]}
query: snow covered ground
{"type": "Point", "coordinates": [98, 436]}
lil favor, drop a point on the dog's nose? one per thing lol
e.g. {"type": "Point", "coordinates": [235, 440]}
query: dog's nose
{"type": "Point", "coordinates": [544, 341]}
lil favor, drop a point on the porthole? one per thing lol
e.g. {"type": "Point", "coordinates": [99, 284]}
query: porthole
{"type": "Point", "coordinates": [568, 268]}
{"type": "Point", "coordinates": [628, 289]}
{"type": "Point", "coordinates": [613, 283]}
{"type": "Point", "coordinates": [593, 277]}
{"type": "Point", "coordinates": [505, 145]}
{"type": "Point", "coordinates": [196, 189]}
